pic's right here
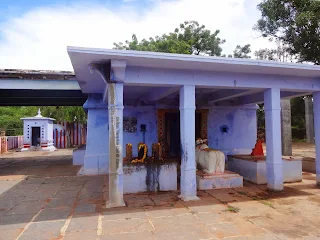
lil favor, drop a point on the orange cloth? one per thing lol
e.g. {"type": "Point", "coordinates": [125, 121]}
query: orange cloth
{"type": "Point", "coordinates": [258, 149]}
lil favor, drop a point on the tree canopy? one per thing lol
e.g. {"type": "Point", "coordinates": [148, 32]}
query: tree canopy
{"type": "Point", "coordinates": [295, 23]}
{"type": "Point", "coordinates": [241, 51]}
{"type": "Point", "coordinates": [189, 38]}
{"type": "Point", "coordinates": [281, 53]}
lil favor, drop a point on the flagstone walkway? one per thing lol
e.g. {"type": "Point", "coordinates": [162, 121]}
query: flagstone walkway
{"type": "Point", "coordinates": [42, 198]}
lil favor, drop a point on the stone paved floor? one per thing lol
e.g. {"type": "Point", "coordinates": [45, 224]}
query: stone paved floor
{"type": "Point", "coordinates": [42, 198]}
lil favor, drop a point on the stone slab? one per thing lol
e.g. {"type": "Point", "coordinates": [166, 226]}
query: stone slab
{"type": "Point", "coordinates": [255, 171]}
{"type": "Point", "coordinates": [149, 177]}
{"type": "Point", "coordinates": [219, 180]}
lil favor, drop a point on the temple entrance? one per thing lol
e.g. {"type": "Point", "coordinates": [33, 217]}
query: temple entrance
{"type": "Point", "coordinates": [172, 132]}
{"type": "Point", "coordinates": [198, 125]}
{"type": "Point", "coordinates": [35, 136]}
{"type": "Point", "coordinates": [168, 123]}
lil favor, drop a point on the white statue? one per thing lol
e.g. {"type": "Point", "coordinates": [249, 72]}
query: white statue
{"type": "Point", "coordinates": [210, 160]}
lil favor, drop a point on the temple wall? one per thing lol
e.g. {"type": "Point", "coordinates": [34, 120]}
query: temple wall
{"type": "Point", "coordinates": [144, 115]}
{"type": "Point", "coordinates": [238, 122]}
{"type": "Point", "coordinates": [232, 129]}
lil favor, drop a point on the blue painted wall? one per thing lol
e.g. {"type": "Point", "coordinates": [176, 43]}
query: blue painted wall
{"type": "Point", "coordinates": [240, 123]}
{"type": "Point", "coordinates": [144, 115]}
{"type": "Point", "coordinates": [232, 129]}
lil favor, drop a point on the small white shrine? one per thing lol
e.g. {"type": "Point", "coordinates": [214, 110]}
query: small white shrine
{"type": "Point", "coordinates": [38, 133]}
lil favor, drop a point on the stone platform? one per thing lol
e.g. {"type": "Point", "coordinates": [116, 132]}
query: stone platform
{"type": "Point", "coordinates": [146, 177]}
{"type": "Point", "coordinates": [78, 155]}
{"type": "Point", "coordinates": [309, 165]}
{"type": "Point", "coordinates": [253, 168]}
{"type": "Point", "coordinates": [218, 180]}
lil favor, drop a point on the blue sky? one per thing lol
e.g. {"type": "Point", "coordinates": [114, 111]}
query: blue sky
{"type": "Point", "coordinates": [10, 7]}
{"type": "Point", "coordinates": [34, 34]}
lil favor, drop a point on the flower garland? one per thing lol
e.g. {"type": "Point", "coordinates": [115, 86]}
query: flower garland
{"type": "Point", "coordinates": [145, 150]}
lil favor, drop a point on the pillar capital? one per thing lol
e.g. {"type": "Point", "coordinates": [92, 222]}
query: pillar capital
{"type": "Point", "coordinates": [111, 71]}
{"type": "Point", "coordinates": [117, 71]}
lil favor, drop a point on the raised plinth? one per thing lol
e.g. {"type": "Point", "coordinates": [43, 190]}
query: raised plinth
{"type": "Point", "coordinates": [218, 180]}
{"type": "Point", "coordinates": [254, 168]}
{"type": "Point", "coordinates": [78, 155]}
{"type": "Point", "coordinates": [309, 165]}
{"type": "Point", "coordinates": [34, 148]}
{"type": "Point", "coordinates": [145, 177]}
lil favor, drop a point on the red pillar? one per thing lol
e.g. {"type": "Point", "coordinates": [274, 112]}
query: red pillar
{"type": "Point", "coordinates": [56, 138]}
{"type": "Point", "coordinates": [65, 138]}
{"type": "Point", "coordinates": [60, 138]}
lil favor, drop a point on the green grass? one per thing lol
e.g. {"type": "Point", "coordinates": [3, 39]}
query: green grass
{"type": "Point", "coordinates": [267, 203]}
{"type": "Point", "coordinates": [232, 209]}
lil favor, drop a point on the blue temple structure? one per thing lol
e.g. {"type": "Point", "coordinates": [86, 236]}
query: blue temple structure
{"type": "Point", "coordinates": [172, 100]}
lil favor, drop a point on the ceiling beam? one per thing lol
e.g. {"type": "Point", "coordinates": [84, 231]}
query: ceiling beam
{"type": "Point", "coordinates": [259, 97]}
{"type": "Point", "coordinates": [228, 94]}
{"type": "Point", "coordinates": [159, 93]}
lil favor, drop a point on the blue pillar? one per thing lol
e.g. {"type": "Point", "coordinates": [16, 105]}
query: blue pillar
{"type": "Point", "coordinates": [274, 161]}
{"type": "Point", "coordinates": [188, 186]}
{"type": "Point", "coordinates": [316, 113]}
{"type": "Point", "coordinates": [115, 106]}
{"type": "Point", "coordinates": [97, 151]}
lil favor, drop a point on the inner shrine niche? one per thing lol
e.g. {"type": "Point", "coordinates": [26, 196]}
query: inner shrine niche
{"type": "Point", "coordinates": [168, 121]}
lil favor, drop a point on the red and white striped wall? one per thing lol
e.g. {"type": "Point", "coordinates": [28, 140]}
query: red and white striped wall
{"type": "Point", "coordinates": [10, 142]}
{"type": "Point", "coordinates": [77, 135]}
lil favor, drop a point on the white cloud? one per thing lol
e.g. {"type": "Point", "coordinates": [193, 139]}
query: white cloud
{"type": "Point", "coordinates": [38, 39]}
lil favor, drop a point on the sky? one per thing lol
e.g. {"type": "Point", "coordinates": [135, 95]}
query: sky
{"type": "Point", "coordinates": [34, 34]}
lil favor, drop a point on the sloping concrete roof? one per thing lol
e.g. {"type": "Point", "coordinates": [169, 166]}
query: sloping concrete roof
{"type": "Point", "coordinates": [36, 74]}
{"type": "Point", "coordinates": [82, 57]}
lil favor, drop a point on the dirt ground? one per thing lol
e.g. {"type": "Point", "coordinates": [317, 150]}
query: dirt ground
{"type": "Point", "coordinates": [301, 149]}
{"type": "Point", "coordinates": [41, 197]}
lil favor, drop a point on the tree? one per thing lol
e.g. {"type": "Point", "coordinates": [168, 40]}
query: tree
{"type": "Point", "coordinates": [240, 52]}
{"type": "Point", "coordinates": [281, 53]}
{"type": "Point", "coordinates": [294, 23]}
{"type": "Point", "coordinates": [189, 38]}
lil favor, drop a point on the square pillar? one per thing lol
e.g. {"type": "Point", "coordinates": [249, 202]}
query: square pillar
{"type": "Point", "coordinates": [115, 106]}
{"type": "Point", "coordinates": [286, 129]}
{"type": "Point", "coordinates": [309, 119]}
{"type": "Point", "coordinates": [97, 154]}
{"type": "Point", "coordinates": [316, 113]}
{"type": "Point", "coordinates": [188, 183]}
{"type": "Point", "coordinates": [273, 139]}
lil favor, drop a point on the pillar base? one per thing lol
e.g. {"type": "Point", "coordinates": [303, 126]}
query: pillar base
{"type": "Point", "coordinates": [271, 189]}
{"type": "Point", "coordinates": [188, 198]}
{"type": "Point", "coordinates": [114, 205]}
{"type": "Point", "coordinates": [275, 177]}
{"type": "Point", "coordinates": [188, 186]}
{"type": "Point", "coordinates": [92, 171]}
{"type": "Point", "coordinates": [95, 164]}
